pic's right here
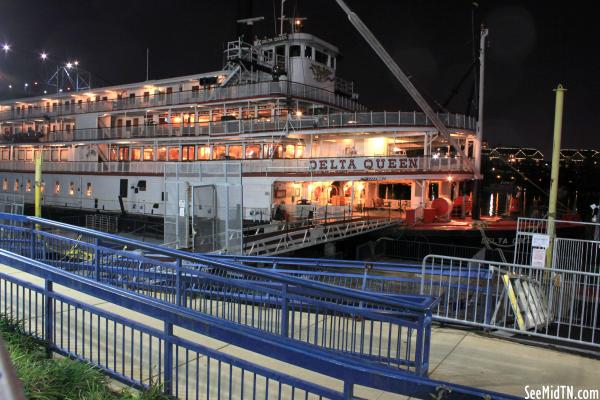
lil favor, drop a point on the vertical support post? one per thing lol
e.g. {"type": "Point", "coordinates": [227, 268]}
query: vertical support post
{"type": "Point", "coordinates": [178, 291]}
{"type": "Point", "coordinates": [168, 359]}
{"type": "Point", "coordinates": [475, 210]}
{"type": "Point", "coordinates": [284, 310]}
{"type": "Point", "coordinates": [558, 117]}
{"type": "Point", "coordinates": [348, 390]}
{"type": "Point", "coordinates": [97, 259]}
{"type": "Point", "coordinates": [419, 346]}
{"type": "Point", "coordinates": [48, 314]}
{"type": "Point", "coordinates": [38, 184]}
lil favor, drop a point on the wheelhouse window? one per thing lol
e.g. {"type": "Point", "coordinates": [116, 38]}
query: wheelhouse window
{"type": "Point", "coordinates": [321, 57]}
{"type": "Point", "coordinates": [295, 51]}
{"type": "Point", "coordinates": [252, 151]}
{"type": "Point", "coordinates": [308, 52]}
{"type": "Point", "coordinates": [173, 153]}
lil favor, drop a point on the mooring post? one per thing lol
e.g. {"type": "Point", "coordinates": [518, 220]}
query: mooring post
{"type": "Point", "coordinates": [558, 117]}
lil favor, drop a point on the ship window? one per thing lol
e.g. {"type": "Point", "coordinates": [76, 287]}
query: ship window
{"type": "Point", "coordinates": [64, 154]}
{"type": "Point", "coordinates": [20, 155]}
{"type": "Point", "coordinates": [203, 153]}
{"type": "Point", "coordinates": [113, 153]}
{"type": "Point", "coordinates": [235, 151]}
{"type": "Point", "coordinates": [46, 155]}
{"type": "Point", "coordinates": [162, 154]}
{"type": "Point", "coordinates": [5, 154]}
{"type": "Point", "coordinates": [28, 155]}
{"type": "Point", "coordinates": [219, 152]}
{"type": "Point", "coordinates": [271, 151]}
{"type": "Point", "coordinates": [88, 189]}
{"type": "Point", "coordinates": [136, 154]}
{"type": "Point", "coordinates": [142, 186]}
{"type": "Point", "coordinates": [253, 151]}
{"type": "Point", "coordinates": [308, 52]}
{"type": "Point", "coordinates": [188, 153]}
{"type": "Point", "coordinates": [72, 188]}
{"type": "Point", "coordinates": [321, 57]}
{"type": "Point", "coordinates": [173, 153]}
{"type": "Point", "coordinates": [148, 154]}
{"type": "Point", "coordinates": [289, 151]}
{"type": "Point", "coordinates": [295, 51]}
{"type": "Point", "coordinates": [299, 151]}
{"type": "Point", "coordinates": [123, 153]}
{"type": "Point", "coordinates": [54, 155]}
{"type": "Point", "coordinates": [57, 187]}
{"type": "Point", "coordinates": [17, 185]}
{"type": "Point", "coordinates": [28, 185]}
{"type": "Point", "coordinates": [5, 184]}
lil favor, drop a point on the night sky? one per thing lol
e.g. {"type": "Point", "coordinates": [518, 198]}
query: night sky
{"type": "Point", "coordinates": [533, 46]}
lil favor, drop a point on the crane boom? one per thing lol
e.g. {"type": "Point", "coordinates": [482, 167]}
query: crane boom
{"type": "Point", "coordinates": [404, 80]}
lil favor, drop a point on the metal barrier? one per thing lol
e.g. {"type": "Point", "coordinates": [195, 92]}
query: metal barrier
{"type": "Point", "coordinates": [138, 354]}
{"type": "Point", "coordinates": [552, 303]}
{"type": "Point", "coordinates": [394, 333]}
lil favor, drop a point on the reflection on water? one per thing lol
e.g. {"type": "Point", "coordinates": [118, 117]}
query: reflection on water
{"type": "Point", "coordinates": [502, 204]}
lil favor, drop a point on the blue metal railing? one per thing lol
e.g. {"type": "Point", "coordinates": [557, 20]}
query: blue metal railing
{"type": "Point", "coordinates": [391, 332]}
{"type": "Point", "coordinates": [138, 354]}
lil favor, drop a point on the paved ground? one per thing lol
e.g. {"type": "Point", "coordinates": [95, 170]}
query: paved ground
{"type": "Point", "coordinates": [457, 356]}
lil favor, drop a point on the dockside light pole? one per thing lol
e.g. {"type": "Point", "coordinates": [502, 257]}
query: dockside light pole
{"type": "Point", "coordinates": [558, 118]}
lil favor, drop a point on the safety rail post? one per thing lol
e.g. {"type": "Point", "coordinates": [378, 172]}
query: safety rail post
{"type": "Point", "coordinates": [48, 316]}
{"type": "Point", "coordinates": [168, 359]}
{"type": "Point", "coordinates": [419, 347]}
{"type": "Point", "coordinates": [31, 227]}
{"type": "Point", "coordinates": [348, 390]}
{"type": "Point", "coordinates": [284, 310]}
{"type": "Point", "coordinates": [178, 292]}
{"type": "Point", "coordinates": [97, 259]}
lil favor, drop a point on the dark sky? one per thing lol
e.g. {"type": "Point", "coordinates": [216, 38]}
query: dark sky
{"type": "Point", "coordinates": [533, 46]}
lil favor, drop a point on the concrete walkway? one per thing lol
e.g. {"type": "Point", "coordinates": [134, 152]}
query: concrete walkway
{"type": "Point", "coordinates": [457, 356]}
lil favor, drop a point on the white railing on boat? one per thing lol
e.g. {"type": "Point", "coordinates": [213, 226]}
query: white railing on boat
{"type": "Point", "coordinates": [63, 106]}
{"type": "Point", "coordinates": [220, 128]}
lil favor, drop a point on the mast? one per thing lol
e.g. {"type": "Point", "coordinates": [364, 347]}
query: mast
{"type": "Point", "coordinates": [476, 212]}
{"type": "Point", "coordinates": [404, 80]}
{"type": "Point", "coordinates": [282, 17]}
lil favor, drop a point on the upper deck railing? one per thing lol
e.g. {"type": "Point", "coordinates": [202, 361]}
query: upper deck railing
{"type": "Point", "coordinates": [220, 128]}
{"type": "Point", "coordinates": [58, 107]}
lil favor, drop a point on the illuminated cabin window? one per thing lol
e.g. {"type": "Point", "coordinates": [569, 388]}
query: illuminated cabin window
{"type": "Point", "coordinates": [235, 151]}
{"type": "Point", "coordinates": [187, 153]}
{"type": "Point", "coordinates": [57, 187]}
{"type": "Point", "coordinates": [88, 189]}
{"type": "Point", "coordinates": [173, 153]}
{"type": "Point", "coordinates": [203, 153]}
{"type": "Point", "coordinates": [113, 153]}
{"type": "Point", "coordinates": [5, 184]}
{"type": "Point", "coordinates": [289, 151]}
{"type": "Point", "coordinates": [148, 154]}
{"type": "Point", "coordinates": [299, 151]}
{"type": "Point", "coordinates": [43, 187]}
{"type": "Point", "coordinates": [28, 185]}
{"type": "Point", "coordinates": [162, 154]}
{"type": "Point", "coordinates": [17, 184]}
{"type": "Point", "coordinates": [219, 152]}
{"type": "Point", "coordinates": [253, 151]}
{"type": "Point", "coordinates": [136, 154]}
{"type": "Point", "coordinates": [72, 188]}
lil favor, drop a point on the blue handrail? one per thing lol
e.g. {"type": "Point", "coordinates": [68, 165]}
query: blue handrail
{"type": "Point", "coordinates": [352, 371]}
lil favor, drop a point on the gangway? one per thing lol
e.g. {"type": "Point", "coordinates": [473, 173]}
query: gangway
{"type": "Point", "coordinates": [277, 301]}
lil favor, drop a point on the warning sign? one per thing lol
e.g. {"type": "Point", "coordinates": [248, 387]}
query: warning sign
{"type": "Point", "coordinates": [538, 257]}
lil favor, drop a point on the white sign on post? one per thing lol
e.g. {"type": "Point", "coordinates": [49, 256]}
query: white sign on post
{"type": "Point", "coordinates": [538, 257]}
{"type": "Point", "coordinates": [540, 240]}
